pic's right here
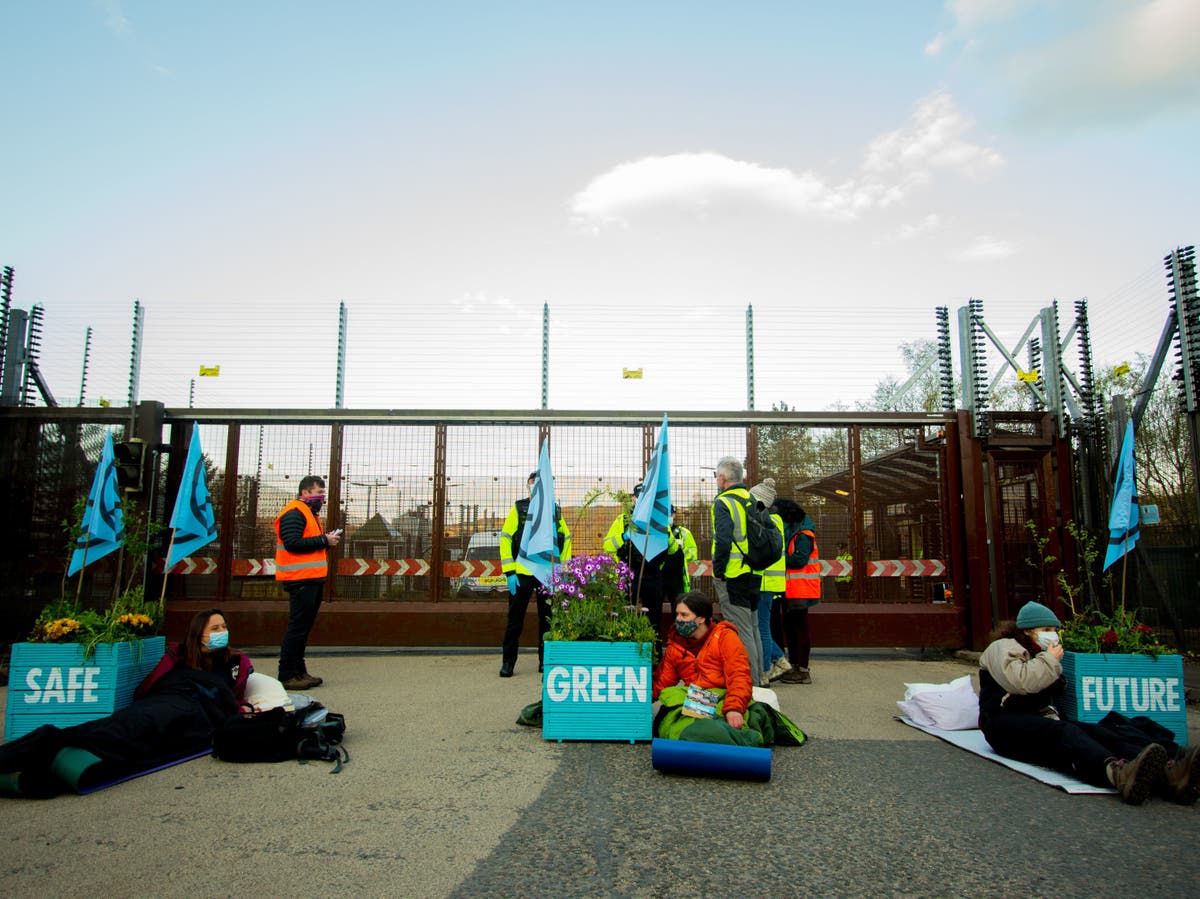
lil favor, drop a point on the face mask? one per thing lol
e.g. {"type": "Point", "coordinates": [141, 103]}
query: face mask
{"type": "Point", "coordinates": [686, 628]}
{"type": "Point", "coordinates": [218, 640]}
{"type": "Point", "coordinates": [1047, 639]}
{"type": "Point", "coordinates": [313, 502]}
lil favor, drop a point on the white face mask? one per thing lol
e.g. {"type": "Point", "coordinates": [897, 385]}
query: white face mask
{"type": "Point", "coordinates": [1047, 639]}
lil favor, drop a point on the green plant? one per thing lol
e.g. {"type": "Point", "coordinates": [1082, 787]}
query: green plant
{"type": "Point", "coordinates": [1120, 632]}
{"type": "Point", "coordinates": [129, 616]}
{"type": "Point", "coordinates": [1087, 629]}
{"type": "Point", "coordinates": [589, 601]}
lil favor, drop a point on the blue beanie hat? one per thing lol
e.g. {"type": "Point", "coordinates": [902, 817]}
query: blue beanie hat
{"type": "Point", "coordinates": [1034, 614]}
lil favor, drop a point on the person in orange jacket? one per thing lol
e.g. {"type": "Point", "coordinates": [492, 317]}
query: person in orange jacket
{"type": "Point", "coordinates": [708, 654]}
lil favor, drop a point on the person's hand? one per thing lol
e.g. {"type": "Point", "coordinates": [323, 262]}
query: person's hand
{"type": "Point", "coordinates": [1056, 650]}
{"type": "Point", "coordinates": [334, 537]}
{"type": "Point", "coordinates": [735, 720]}
{"type": "Point", "coordinates": [512, 585]}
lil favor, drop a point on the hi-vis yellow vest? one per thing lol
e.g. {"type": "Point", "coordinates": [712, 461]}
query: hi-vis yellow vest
{"type": "Point", "coordinates": [774, 579]}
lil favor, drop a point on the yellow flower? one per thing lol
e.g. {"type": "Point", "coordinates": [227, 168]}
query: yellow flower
{"type": "Point", "coordinates": [60, 628]}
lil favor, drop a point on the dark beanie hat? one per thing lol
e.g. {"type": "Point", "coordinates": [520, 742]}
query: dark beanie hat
{"type": "Point", "coordinates": [1034, 614]}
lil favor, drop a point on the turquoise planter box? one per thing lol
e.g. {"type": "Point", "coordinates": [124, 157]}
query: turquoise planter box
{"type": "Point", "coordinates": [51, 683]}
{"type": "Point", "coordinates": [596, 691]}
{"type": "Point", "coordinates": [1099, 683]}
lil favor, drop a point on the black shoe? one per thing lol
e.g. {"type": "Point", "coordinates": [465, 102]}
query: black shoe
{"type": "Point", "coordinates": [541, 668]}
{"type": "Point", "coordinates": [506, 670]}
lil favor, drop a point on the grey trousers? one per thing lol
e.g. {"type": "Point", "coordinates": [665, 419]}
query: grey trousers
{"type": "Point", "coordinates": [745, 619]}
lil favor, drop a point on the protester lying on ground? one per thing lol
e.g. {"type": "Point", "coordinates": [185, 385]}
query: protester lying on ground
{"type": "Point", "coordinates": [709, 657]}
{"type": "Point", "coordinates": [1020, 681]}
{"type": "Point", "coordinates": [197, 685]}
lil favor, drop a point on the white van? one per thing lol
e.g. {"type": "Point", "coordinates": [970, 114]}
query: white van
{"type": "Point", "coordinates": [483, 546]}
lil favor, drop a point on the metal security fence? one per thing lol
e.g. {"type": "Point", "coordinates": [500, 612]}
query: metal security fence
{"type": "Point", "coordinates": [421, 496]}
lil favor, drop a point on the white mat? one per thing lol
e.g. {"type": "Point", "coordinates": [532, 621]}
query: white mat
{"type": "Point", "coordinates": [973, 741]}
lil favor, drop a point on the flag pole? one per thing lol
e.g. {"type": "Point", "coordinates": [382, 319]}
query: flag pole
{"type": "Point", "coordinates": [82, 566]}
{"type": "Point", "coordinates": [162, 596]}
{"type": "Point", "coordinates": [1124, 568]}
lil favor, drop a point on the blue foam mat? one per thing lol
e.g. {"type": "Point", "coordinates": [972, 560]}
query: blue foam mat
{"type": "Point", "coordinates": [713, 759]}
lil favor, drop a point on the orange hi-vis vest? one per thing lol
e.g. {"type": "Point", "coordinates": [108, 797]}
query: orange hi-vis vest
{"type": "Point", "coordinates": [291, 566]}
{"type": "Point", "coordinates": [804, 583]}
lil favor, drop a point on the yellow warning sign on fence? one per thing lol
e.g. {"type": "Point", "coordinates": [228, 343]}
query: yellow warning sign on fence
{"type": "Point", "coordinates": [631, 373]}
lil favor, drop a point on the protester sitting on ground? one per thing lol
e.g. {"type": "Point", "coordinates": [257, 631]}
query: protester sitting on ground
{"type": "Point", "coordinates": [1020, 680]}
{"type": "Point", "coordinates": [198, 684]}
{"type": "Point", "coordinates": [710, 655]}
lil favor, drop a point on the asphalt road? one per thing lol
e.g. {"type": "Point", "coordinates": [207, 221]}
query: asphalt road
{"type": "Point", "coordinates": [446, 796]}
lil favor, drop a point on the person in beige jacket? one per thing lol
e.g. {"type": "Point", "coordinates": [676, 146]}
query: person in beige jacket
{"type": "Point", "coordinates": [1020, 680]}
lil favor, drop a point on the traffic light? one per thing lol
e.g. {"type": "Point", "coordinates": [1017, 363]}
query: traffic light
{"type": "Point", "coordinates": [129, 457]}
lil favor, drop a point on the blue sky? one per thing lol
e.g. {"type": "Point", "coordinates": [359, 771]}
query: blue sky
{"type": "Point", "coordinates": [647, 169]}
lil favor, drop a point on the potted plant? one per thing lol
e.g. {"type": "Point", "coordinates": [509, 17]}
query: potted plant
{"type": "Point", "coordinates": [598, 654]}
{"type": "Point", "coordinates": [1113, 661]}
{"type": "Point", "coordinates": [81, 663]}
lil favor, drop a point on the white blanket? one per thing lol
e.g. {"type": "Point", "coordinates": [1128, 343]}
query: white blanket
{"type": "Point", "coordinates": [973, 741]}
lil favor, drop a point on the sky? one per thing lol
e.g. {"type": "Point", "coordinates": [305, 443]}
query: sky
{"type": "Point", "coordinates": [646, 171]}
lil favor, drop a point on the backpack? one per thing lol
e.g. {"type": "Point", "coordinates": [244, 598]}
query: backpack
{"type": "Point", "coordinates": [277, 735]}
{"type": "Point", "coordinates": [764, 543]}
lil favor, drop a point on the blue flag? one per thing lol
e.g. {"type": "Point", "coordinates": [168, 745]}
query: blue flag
{"type": "Point", "coordinates": [539, 540]}
{"type": "Point", "coordinates": [652, 512]}
{"type": "Point", "coordinates": [103, 522]}
{"type": "Point", "coordinates": [192, 520]}
{"type": "Point", "coordinates": [1123, 519]}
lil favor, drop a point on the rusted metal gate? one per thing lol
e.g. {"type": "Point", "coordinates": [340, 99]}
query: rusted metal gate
{"type": "Point", "coordinates": [906, 500]}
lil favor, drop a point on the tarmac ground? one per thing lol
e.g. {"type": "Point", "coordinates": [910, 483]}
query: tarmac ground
{"type": "Point", "coordinates": [446, 796]}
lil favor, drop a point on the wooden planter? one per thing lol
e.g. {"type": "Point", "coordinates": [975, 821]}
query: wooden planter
{"type": "Point", "coordinates": [51, 683]}
{"type": "Point", "coordinates": [596, 691]}
{"type": "Point", "coordinates": [1152, 686]}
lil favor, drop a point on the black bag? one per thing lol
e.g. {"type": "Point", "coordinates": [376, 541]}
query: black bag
{"type": "Point", "coordinates": [277, 735]}
{"type": "Point", "coordinates": [764, 543]}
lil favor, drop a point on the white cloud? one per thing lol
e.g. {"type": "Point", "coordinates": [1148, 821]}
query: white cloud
{"type": "Point", "coordinates": [934, 138]}
{"type": "Point", "coordinates": [986, 249]}
{"type": "Point", "coordinates": [697, 181]}
{"type": "Point", "coordinates": [895, 164]}
{"type": "Point", "coordinates": [909, 230]}
{"type": "Point", "coordinates": [114, 17]}
{"type": "Point", "coordinates": [969, 15]}
{"type": "Point", "coordinates": [1130, 66]}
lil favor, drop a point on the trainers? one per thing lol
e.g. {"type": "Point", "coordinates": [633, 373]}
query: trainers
{"type": "Point", "coordinates": [302, 682]}
{"type": "Point", "coordinates": [781, 667]}
{"type": "Point", "coordinates": [1182, 783]}
{"type": "Point", "coordinates": [1135, 778]}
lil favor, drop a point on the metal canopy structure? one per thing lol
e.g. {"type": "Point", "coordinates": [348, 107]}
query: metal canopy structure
{"type": "Point", "coordinates": [902, 475]}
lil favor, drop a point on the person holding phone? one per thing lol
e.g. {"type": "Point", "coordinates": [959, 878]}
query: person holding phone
{"type": "Point", "coordinates": [301, 566]}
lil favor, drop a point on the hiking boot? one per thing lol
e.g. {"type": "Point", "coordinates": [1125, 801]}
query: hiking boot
{"type": "Point", "coordinates": [1135, 778]}
{"type": "Point", "coordinates": [797, 675]}
{"type": "Point", "coordinates": [1183, 777]}
{"type": "Point", "coordinates": [781, 667]}
{"type": "Point", "coordinates": [302, 682]}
